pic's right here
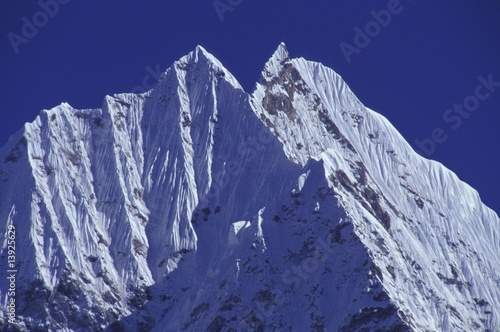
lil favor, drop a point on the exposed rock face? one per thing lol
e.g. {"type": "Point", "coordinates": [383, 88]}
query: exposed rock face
{"type": "Point", "coordinates": [196, 206]}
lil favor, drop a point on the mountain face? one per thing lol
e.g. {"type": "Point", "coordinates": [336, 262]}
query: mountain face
{"type": "Point", "coordinates": [196, 206]}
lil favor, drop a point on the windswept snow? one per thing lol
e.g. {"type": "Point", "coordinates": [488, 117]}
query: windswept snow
{"type": "Point", "coordinates": [197, 206]}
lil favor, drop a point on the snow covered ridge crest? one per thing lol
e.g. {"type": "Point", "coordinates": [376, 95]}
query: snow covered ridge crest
{"type": "Point", "coordinates": [198, 206]}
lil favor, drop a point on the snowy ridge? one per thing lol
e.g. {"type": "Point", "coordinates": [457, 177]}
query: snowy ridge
{"type": "Point", "coordinates": [196, 206]}
{"type": "Point", "coordinates": [436, 224]}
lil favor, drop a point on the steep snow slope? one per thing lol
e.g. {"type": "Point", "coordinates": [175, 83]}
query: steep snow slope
{"type": "Point", "coordinates": [195, 206]}
{"type": "Point", "coordinates": [434, 241]}
{"type": "Point", "coordinates": [77, 218]}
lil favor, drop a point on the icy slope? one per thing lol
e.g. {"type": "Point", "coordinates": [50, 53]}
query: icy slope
{"type": "Point", "coordinates": [196, 206]}
{"type": "Point", "coordinates": [436, 244]}
{"type": "Point", "coordinates": [80, 230]}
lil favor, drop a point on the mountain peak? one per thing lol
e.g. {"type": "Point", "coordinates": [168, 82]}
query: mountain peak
{"type": "Point", "coordinates": [201, 57]}
{"type": "Point", "coordinates": [281, 54]}
{"type": "Point", "coordinates": [201, 207]}
{"type": "Point", "coordinates": [276, 61]}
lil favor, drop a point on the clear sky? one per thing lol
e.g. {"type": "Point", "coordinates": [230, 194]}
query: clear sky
{"type": "Point", "coordinates": [425, 65]}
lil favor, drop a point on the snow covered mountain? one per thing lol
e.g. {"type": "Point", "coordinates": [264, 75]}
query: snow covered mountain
{"type": "Point", "coordinates": [196, 206]}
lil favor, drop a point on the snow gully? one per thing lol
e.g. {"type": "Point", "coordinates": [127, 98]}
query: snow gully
{"type": "Point", "coordinates": [249, 150]}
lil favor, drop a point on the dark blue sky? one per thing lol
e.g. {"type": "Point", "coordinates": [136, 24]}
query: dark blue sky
{"type": "Point", "coordinates": [416, 67]}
